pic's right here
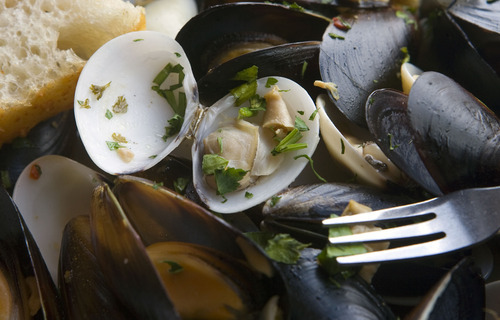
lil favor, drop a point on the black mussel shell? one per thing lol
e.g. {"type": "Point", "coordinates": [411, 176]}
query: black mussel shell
{"type": "Point", "coordinates": [84, 289]}
{"type": "Point", "coordinates": [458, 138]}
{"type": "Point", "coordinates": [214, 30]}
{"type": "Point", "coordinates": [366, 58]}
{"type": "Point", "coordinates": [386, 116]}
{"type": "Point", "coordinates": [296, 61]}
{"type": "Point", "coordinates": [52, 136]}
{"type": "Point", "coordinates": [458, 295]}
{"type": "Point", "coordinates": [313, 294]}
{"type": "Point", "coordinates": [21, 262]}
{"type": "Point", "coordinates": [479, 20]}
{"type": "Point", "coordinates": [447, 48]}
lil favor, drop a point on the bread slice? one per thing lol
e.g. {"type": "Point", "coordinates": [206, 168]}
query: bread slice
{"type": "Point", "coordinates": [44, 45]}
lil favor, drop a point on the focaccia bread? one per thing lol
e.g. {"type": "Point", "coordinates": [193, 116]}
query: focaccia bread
{"type": "Point", "coordinates": [44, 45]}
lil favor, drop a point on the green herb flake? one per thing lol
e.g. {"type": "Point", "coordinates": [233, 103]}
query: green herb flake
{"type": "Point", "coordinates": [342, 146]}
{"type": "Point", "coordinates": [300, 124]}
{"type": "Point", "coordinates": [257, 103]}
{"type": "Point", "coordinates": [406, 57]}
{"type": "Point", "coordinates": [304, 68]}
{"type": "Point", "coordinates": [177, 54]}
{"type": "Point", "coordinates": [300, 112]}
{"type": "Point", "coordinates": [313, 115]}
{"type": "Point", "coordinates": [271, 82]}
{"type": "Point", "coordinates": [406, 17]}
{"type": "Point", "coordinates": [84, 104]}
{"type": "Point", "coordinates": [137, 40]}
{"type": "Point", "coordinates": [328, 257]}
{"type": "Point", "coordinates": [248, 89]}
{"type": "Point", "coordinates": [174, 127]}
{"type": "Point", "coordinates": [336, 36]}
{"type": "Point", "coordinates": [289, 143]}
{"type": "Point", "coordinates": [248, 195]}
{"type": "Point", "coordinates": [212, 163]}
{"type": "Point", "coordinates": [113, 145]}
{"type": "Point", "coordinates": [118, 138]}
{"type": "Point", "coordinates": [108, 114]}
{"type": "Point", "coordinates": [174, 266]}
{"type": "Point", "coordinates": [392, 146]}
{"type": "Point", "coordinates": [120, 105]}
{"type": "Point", "coordinates": [283, 248]}
{"type": "Point", "coordinates": [99, 90]}
{"type": "Point", "coordinates": [228, 180]}
{"type": "Point", "coordinates": [157, 185]}
{"type": "Point", "coordinates": [248, 74]}
{"type": "Point", "coordinates": [312, 165]}
{"type": "Point", "coordinates": [180, 184]}
{"type": "Point", "coordinates": [244, 92]}
{"type": "Point", "coordinates": [219, 141]}
{"type": "Point", "coordinates": [275, 200]}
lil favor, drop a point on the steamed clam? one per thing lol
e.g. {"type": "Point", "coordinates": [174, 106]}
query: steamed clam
{"type": "Point", "coordinates": [132, 134]}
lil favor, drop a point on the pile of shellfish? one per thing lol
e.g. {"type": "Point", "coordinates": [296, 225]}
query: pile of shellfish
{"type": "Point", "coordinates": [257, 118]}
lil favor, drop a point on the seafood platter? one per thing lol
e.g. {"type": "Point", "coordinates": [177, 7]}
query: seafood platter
{"type": "Point", "coordinates": [231, 138]}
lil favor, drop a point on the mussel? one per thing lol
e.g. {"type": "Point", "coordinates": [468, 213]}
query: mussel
{"type": "Point", "coordinates": [455, 135]}
{"type": "Point", "coordinates": [26, 288]}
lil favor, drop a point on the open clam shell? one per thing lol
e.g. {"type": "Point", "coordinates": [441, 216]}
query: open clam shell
{"type": "Point", "coordinates": [299, 104]}
{"type": "Point", "coordinates": [129, 64]}
{"type": "Point", "coordinates": [49, 192]}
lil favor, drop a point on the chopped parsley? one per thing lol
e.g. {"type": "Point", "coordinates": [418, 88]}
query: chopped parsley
{"type": "Point", "coordinates": [275, 200]}
{"type": "Point", "coordinates": [406, 17]}
{"type": "Point", "coordinates": [328, 256]}
{"type": "Point", "coordinates": [179, 103]}
{"type": "Point", "coordinates": [257, 103]}
{"type": "Point", "coordinates": [180, 184]}
{"type": "Point", "coordinates": [313, 115]}
{"type": "Point", "coordinates": [300, 124]}
{"type": "Point", "coordinates": [99, 90]}
{"type": "Point", "coordinates": [84, 104]}
{"type": "Point", "coordinates": [336, 36]}
{"type": "Point", "coordinates": [304, 68]}
{"type": "Point", "coordinates": [392, 146]}
{"type": "Point", "coordinates": [137, 40]}
{"type": "Point", "coordinates": [248, 195]}
{"type": "Point", "coordinates": [271, 82]}
{"type": "Point", "coordinates": [108, 114]}
{"type": "Point", "coordinates": [113, 145]}
{"type": "Point", "coordinates": [289, 143]}
{"type": "Point", "coordinates": [228, 180]}
{"type": "Point", "coordinates": [120, 105]}
{"type": "Point", "coordinates": [157, 185]}
{"type": "Point", "coordinates": [342, 146]}
{"type": "Point", "coordinates": [312, 165]}
{"type": "Point", "coordinates": [280, 247]}
{"type": "Point", "coordinates": [406, 58]}
{"type": "Point", "coordinates": [248, 89]}
{"type": "Point", "coordinates": [213, 162]}
{"type": "Point", "coordinates": [174, 266]}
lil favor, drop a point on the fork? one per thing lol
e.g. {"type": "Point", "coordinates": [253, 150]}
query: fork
{"type": "Point", "coordinates": [455, 221]}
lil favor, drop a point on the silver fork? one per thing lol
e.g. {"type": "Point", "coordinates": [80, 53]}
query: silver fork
{"type": "Point", "coordinates": [458, 220]}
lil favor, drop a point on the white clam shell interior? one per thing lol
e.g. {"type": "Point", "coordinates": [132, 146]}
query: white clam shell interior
{"type": "Point", "coordinates": [62, 191]}
{"type": "Point", "coordinates": [297, 100]}
{"type": "Point", "coordinates": [130, 63]}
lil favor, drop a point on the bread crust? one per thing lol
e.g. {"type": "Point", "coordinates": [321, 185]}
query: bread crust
{"type": "Point", "coordinates": [19, 114]}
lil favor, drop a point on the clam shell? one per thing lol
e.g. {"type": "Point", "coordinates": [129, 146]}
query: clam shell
{"type": "Point", "coordinates": [297, 99]}
{"type": "Point", "coordinates": [142, 55]}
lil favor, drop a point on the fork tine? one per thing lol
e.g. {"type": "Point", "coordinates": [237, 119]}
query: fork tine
{"type": "Point", "coordinates": [425, 228]}
{"type": "Point", "coordinates": [419, 250]}
{"type": "Point", "coordinates": [407, 211]}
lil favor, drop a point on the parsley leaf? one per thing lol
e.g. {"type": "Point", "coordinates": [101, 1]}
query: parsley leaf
{"type": "Point", "coordinates": [213, 162]}
{"type": "Point", "coordinates": [228, 180]}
